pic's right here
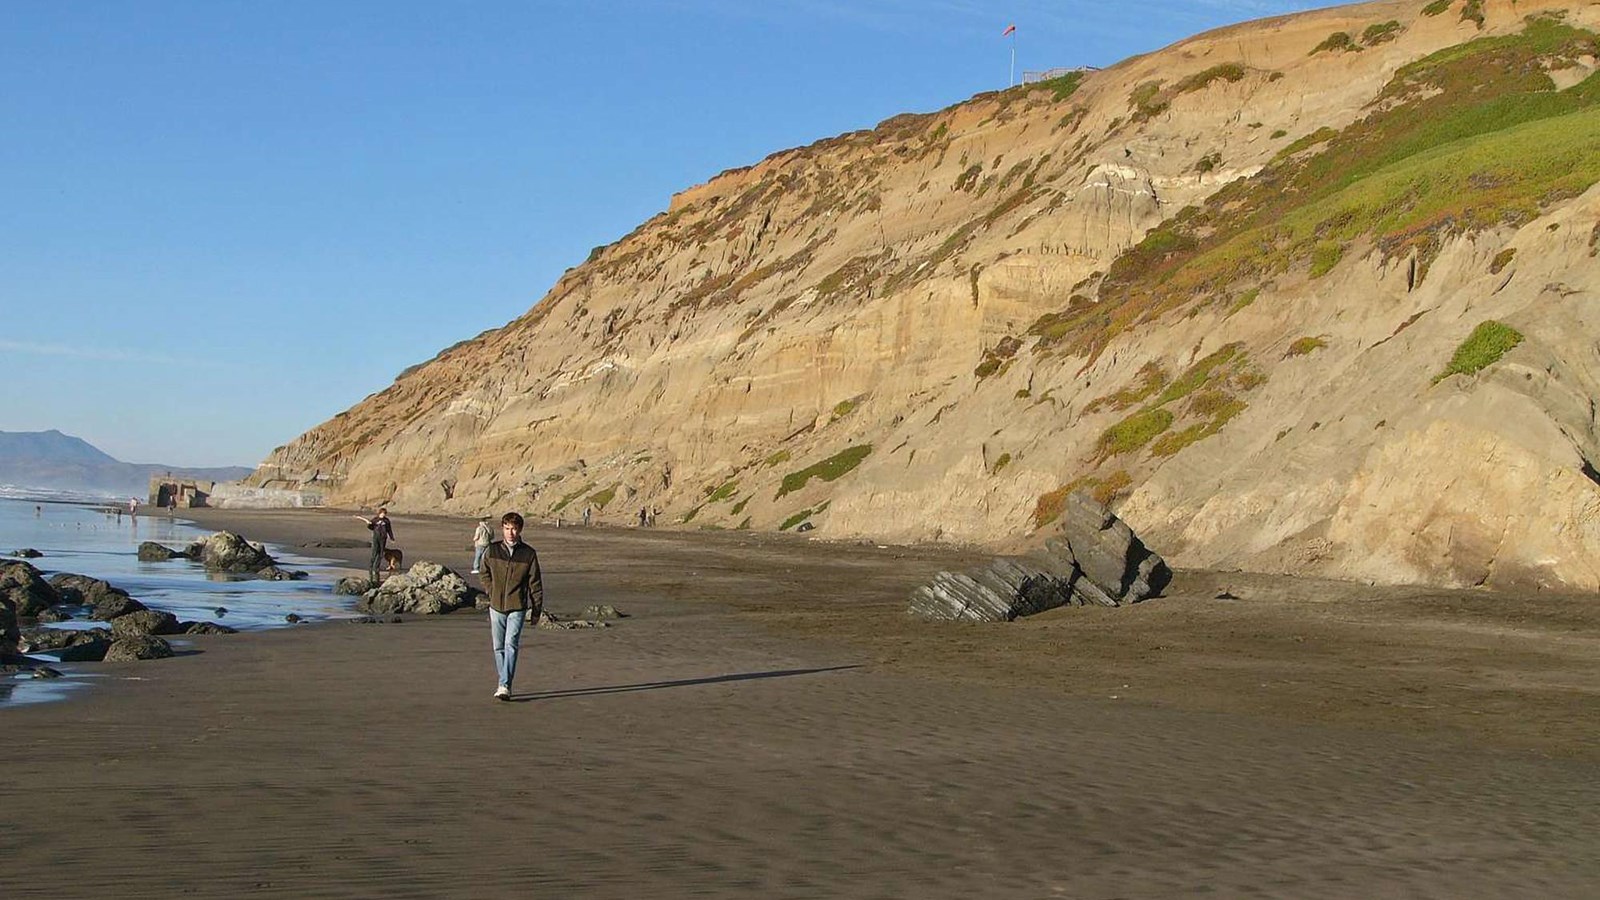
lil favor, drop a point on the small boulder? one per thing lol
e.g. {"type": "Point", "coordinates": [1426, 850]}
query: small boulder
{"type": "Point", "coordinates": [601, 611]}
{"type": "Point", "coordinates": [273, 573]}
{"type": "Point", "coordinates": [150, 551]}
{"type": "Point", "coordinates": [229, 552]}
{"type": "Point", "coordinates": [428, 589]}
{"type": "Point", "coordinates": [207, 628]}
{"type": "Point", "coordinates": [26, 591]}
{"type": "Point", "coordinates": [91, 648]}
{"type": "Point", "coordinates": [138, 646]}
{"type": "Point", "coordinates": [353, 585]}
{"type": "Point", "coordinates": [27, 553]}
{"type": "Point", "coordinates": [375, 620]}
{"type": "Point", "coordinates": [145, 621]}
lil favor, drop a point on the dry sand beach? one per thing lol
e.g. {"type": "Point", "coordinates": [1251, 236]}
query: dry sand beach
{"type": "Point", "coordinates": [767, 723]}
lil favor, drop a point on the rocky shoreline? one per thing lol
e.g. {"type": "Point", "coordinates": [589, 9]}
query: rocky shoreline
{"type": "Point", "coordinates": [33, 604]}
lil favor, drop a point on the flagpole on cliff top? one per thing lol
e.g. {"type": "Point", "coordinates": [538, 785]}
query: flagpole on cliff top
{"type": "Point", "coordinates": [1011, 32]}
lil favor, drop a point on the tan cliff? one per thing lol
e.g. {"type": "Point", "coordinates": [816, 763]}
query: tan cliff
{"type": "Point", "coordinates": [1215, 284]}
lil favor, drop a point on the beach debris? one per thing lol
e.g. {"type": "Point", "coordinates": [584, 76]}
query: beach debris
{"type": "Point", "coordinates": [600, 611]}
{"type": "Point", "coordinates": [1096, 559]}
{"type": "Point", "coordinates": [207, 628]}
{"type": "Point", "coordinates": [551, 622]}
{"type": "Point", "coordinates": [24, 590]}
{"type": "Point", "coordinates": [293, 618]}
{"type": "Point", "coordinates": [375, 620]}
{"type": "Point", "coordinates": [150, 551]}
{"type": "Point", "coordinates": [1226, 595]}
{"type": "Point", "coordinates": [138, 646]}
{"type": "Point", "coordinates": [27, 553]}
{"type": "Point", "coordinates": [145, 621]}
{"type": "Point", "coordinates": [428, 588]}
{"type": "Point", "coordinates": [107, 601]}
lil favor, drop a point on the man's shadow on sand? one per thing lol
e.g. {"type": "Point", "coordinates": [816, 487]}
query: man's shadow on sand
{"type": "Point", "coordinates": [658, 685]}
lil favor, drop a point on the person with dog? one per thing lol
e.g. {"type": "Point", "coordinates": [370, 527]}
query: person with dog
{"type": "Point", "coordinates": [382, 533]}
{"type": "Point", "coordinates": [515, 587]}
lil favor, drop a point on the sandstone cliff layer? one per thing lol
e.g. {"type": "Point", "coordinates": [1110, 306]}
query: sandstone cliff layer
{"type": "Point", "coordinates": [1310, 294]}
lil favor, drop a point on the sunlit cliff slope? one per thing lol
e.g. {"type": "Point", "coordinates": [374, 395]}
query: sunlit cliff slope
{"type": "Point", "coordinates": [1312, 294]}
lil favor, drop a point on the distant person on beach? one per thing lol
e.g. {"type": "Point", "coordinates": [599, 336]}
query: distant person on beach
{"type": "Point", "coordinates": [481, 538]}
{"type": "Point", "coordinates": [588, 514]}
{"type": "Point", "coordinates": [382, 533]}
{"type": "Point", "coordinates": [643, 517]}
{"type": "Point", "coordinates": [516, 591]}
{"type": "Point", "coordinates": [133, 506]}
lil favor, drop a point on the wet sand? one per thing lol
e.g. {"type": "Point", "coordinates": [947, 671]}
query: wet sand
{"type": "Point", "coordinates": [767, 724]}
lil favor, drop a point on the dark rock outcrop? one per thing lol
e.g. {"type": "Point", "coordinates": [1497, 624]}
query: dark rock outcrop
{"type": "Point", "coordinates": [145, 621]}
{"type": "Point", "coordinates": [1097, 559]}
{"type": "Point", "coordinates": [138, 646]}
{"type": "Point", "coordinates": [428, 588]}
{"type": "Point", "coordinates": [354, 585]}
{"type": "Point", "coordinates": [25, 591]}
{"type": "Point", "coordinates": [207, 628]}
{"type": "Point", "coordinates": [107, 602]}
{"type": "Point", "coordinates": [150, 551]}
{"type": "Point", "coordinates": [9, 634]}
{"type": "Point", "coordinates": [27, 553]}
{"type": "Point", "coordinates": [274, 573]}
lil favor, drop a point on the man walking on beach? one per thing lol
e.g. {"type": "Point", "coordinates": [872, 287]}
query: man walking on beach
{"type": "Point", "coordinates": [481, 537]}
{"type": "Point", "coordinates": [382, 533]}
{"type": "Point", "coordinates": [516, 591]}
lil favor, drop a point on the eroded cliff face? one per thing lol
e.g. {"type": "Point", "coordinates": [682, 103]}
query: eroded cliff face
{"type": "Point", "coordinates": [1214, 284]}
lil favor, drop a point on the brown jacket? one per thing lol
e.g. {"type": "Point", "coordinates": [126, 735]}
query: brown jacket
{"type": "Point", "coordinates": [511, 578]}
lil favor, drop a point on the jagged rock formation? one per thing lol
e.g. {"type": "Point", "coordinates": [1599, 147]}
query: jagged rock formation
{"type": "Point", "coordinates": [1097, 560]}
{"type": "Point", "coordinates": [1310, 294]}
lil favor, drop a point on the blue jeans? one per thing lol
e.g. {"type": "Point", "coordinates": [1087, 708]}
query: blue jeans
{"type": "Point", "coordinates": [477, 557]}
{"type": "Point", "coordinates": [505, 630]}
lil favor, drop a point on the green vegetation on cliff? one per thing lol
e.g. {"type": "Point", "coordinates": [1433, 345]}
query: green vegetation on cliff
{"type": "Point", "coordinates": [1482, 348]}
{"type": "Point", "coordinates": [831, 469]}
{"type": "Point", "coordinates": [1468, 138]}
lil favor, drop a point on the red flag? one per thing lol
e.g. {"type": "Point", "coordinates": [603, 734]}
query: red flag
{"type": "Point", "coordinates": [1009, 30]}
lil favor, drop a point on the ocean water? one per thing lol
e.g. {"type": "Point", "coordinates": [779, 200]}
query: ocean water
{"type": "Point", "coordinates": [77, 537]}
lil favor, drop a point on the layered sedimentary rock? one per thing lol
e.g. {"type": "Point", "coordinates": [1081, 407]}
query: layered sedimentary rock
{"type": "Point", "coordinates": [1311, 294]}
{"type": "Point", "coordinates": [1096, 560]}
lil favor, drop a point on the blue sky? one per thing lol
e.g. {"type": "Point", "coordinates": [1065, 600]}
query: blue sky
{"type": "Point", "coordinates": [223, 222]}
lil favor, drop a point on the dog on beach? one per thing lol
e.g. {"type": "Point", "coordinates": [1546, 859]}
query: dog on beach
{"type": "Point", "coordinates": [392, 558]}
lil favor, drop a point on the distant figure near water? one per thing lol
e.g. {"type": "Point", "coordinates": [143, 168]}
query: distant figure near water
{"type": "Point", "coordinates": [382, 533]}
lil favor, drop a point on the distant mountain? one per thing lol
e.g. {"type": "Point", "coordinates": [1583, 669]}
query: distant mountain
{"type": "Point", "coordinates": [56, 461]}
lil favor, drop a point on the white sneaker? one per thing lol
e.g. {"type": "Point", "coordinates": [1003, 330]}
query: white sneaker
{"type": "Point", "coordinates": [502, 693]}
